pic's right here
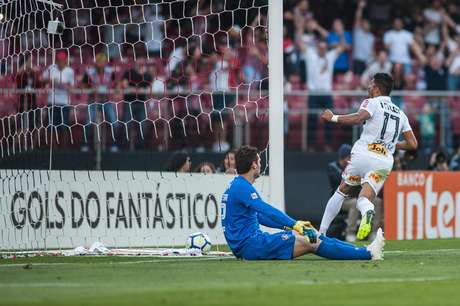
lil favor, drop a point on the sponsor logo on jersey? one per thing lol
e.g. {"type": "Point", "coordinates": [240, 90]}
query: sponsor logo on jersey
{"type": "Point", "coordinates": [377, 148]}
{"type": "Point", "coordinates": [254, 195]}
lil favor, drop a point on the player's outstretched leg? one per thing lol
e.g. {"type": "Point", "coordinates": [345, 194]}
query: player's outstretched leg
{"type": "Point", "coordinates": [334, 249]}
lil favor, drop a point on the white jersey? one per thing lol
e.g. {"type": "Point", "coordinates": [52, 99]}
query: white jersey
{"type": "Point", "coordinates": [382, 130]}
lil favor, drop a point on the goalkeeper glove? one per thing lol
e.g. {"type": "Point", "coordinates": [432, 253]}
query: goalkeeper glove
{"type": "Point", "coordinates": [300, 226]}
{"type": "Point", "coordinates": [305, 228]}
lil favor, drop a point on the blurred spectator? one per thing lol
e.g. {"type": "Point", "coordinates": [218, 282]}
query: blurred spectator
{"type": "Point", "coordinates": [402, 159]}
{"type": "Point", "coordinates": [205, 167]}
{"type": "Point", "coordinates": [158, 85]}
{"type": "Point", "coordinates": [435, 70]}
{"type": "Point", "coordinates": [453, 62]}
{"type": "Point", "coordinates": [135, 82]}
{"type": "Point", "coordinates": [179, 162]}
{"type": "Point", "coordinates": [438, 161]}
{"type": "Point", "coordinates": [152, 30]}
{"type": "Point", "coordinates": [222, 79]}
{"type": "Point", "coordinates": [100, 79]}
{"type": "Point", "coordinates": [363, 41]}
{"type": "Point", "coordinates": [399, 42]}
{"type": "Point", "coordinates": [320, 65]}
{"type": "Point", "coordinates": [427, 124]}
{"type": "Point", "coordinates": [228, 163]}
{"type": "Point", "coordinates": [294, 61]}
{"type": "Point", "coordinates": [62, 78]}
{"type": "Point", "coordinates": [382, 64]}
{"type": "Point", "coordinates": [455, 161]}
{"type": "Point", "coordinates": [399, 82]}
{"type": "Point", "coordinates": [302, 10]}
{"type": "Point", "coordinates": [28, 80]}
{"type": "Point", "coordinates": [433, 16]}
{"type": "Point", "coordinates": [339, 37]}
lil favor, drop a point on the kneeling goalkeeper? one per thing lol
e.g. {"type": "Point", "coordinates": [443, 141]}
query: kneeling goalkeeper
{"type": "Point", "coordinates": [243, 211]}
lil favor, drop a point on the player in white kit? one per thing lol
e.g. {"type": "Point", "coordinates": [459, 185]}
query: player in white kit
{"type": "Point", "coordinates": [372, 155]}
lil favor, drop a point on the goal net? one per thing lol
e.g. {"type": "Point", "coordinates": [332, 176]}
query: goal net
{"type": "Point", "coordinates": [102, 105]}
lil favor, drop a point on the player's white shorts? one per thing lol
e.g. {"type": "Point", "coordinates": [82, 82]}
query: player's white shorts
{"type": "Point", "coordinates": [366, 168]}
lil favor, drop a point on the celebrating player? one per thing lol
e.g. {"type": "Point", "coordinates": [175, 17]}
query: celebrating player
{"type": "Point", "coordinates": [243, 211]}
{"type": "Point", "coordinates": [372, 155]}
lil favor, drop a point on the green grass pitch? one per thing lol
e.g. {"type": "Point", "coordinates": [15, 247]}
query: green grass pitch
{"type": "Point", "coordinates": [413, 273]}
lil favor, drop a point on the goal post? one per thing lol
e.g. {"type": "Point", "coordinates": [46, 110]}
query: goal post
{"type": "Point", "coordinates": [276, 98]}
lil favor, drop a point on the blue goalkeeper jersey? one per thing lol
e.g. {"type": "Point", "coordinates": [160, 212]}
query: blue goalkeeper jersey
{"type": "Point", "coordinates": [243, 211]}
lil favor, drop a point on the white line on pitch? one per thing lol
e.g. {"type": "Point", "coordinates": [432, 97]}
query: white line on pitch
{"type": "Point", "coordinates": [168, 259]}
{"type": "Point", "coordinates": [421, 252]}
{"type": "Point", "coordinates": [379, 280]}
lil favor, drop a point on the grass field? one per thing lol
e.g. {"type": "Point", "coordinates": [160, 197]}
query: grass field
{"type": "Point", "coordinates": [413, 273]}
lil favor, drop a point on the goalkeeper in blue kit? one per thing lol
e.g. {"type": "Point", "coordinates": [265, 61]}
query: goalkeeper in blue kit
{"type": "Point", "coordinates": [243, 211]}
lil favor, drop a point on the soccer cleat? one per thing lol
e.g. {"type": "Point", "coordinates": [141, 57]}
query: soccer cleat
{"type": "Point", "coordinates": [365, 226]}
{"type": "Point", "coordinates": [376, 247]}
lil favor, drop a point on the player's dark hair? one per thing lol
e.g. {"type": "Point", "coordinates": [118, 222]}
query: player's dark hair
{"type": "Point", "coordinates": [384, 82]}
{"type": "Point", "coordinates": [244, 157]}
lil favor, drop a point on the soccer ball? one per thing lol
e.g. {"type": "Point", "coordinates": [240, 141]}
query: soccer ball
{"type": "Point", "coordinates": [200, 241]}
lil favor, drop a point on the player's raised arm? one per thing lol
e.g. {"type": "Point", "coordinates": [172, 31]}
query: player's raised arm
{"type": "Point", "coordinates": [351, 119]}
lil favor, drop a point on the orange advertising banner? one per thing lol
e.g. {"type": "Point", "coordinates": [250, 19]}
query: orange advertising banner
{"type": "Point", "coordinates": [422, 205]}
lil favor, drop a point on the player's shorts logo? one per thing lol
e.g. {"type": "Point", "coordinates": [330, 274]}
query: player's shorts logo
{"type": "Point", "coordinates": [254, 195]}
{"type": "Point", "coordinates": [285, 236]}
{"type": "Point", "coordinates": [375, 177]}
{"type": "Point", "coordinates": [354, 179]}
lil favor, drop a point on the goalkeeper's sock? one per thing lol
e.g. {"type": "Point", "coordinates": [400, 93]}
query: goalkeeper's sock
{"type": "Point", "coordinates": [324, 237]}
{"type": "Point", "coordinates": [332, 209]}
{"type": "Point", "coordinates": [332, 249]}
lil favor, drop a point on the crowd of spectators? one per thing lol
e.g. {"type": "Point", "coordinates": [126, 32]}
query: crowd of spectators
{"type": "Point", "coordinates": [340, 45]}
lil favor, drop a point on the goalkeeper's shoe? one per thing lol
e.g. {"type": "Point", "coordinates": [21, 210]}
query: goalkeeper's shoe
{"type": "Point", "coordinates": [376, 247]}
{"type": "Point", "coordinates": [365, 226]}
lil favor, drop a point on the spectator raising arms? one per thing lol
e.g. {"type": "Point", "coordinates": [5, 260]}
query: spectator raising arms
{"type": "Point", "coordinates": [339, 37]}
{"type": "Point", "coordinates": [399, 42]}
{"type": "Point", "coordinates": [363, 41]}
{"type": "Point", "coordinates": [320, 65]}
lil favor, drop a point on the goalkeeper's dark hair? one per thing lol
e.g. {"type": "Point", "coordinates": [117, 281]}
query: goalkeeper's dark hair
{"type": "Point", "coordinates": [384, 82]}
{"type": "Point", "coordinates": [244, 157]}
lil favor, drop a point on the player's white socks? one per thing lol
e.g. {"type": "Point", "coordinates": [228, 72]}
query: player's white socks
{"type": "Point", "coordinates": [364, 205]}
{"type": "Point", "coordinates": [332, 209]}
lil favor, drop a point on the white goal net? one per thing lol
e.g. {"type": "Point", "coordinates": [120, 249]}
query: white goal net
{"type": "Point", "coordinates": [97, 96]}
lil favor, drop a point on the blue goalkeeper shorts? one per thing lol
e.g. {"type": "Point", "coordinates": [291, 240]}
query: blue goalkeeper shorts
{"type": "Point", "coordinates": [269, 246]}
